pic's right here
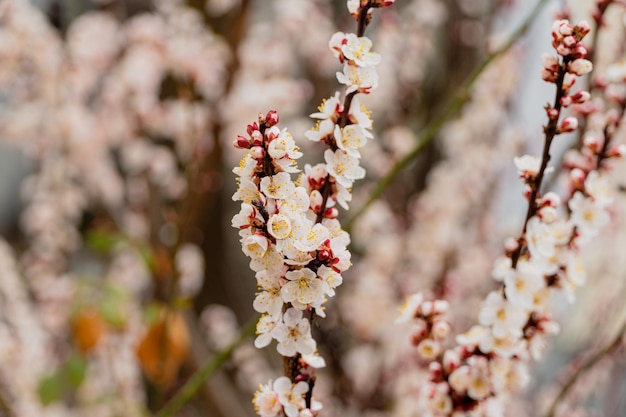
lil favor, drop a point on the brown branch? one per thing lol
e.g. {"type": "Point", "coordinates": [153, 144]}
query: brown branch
{"type": "Point", "coordinates": [535, 185]}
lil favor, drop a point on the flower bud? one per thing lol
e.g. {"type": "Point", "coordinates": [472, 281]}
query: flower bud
{"type": "Point", "coordinates": [242, 142]}
{"type": "Point", "coordinates": [580, 66]}
{"type": "Point", "coordinates": [566, 101]}
{"type": "Point", "coordinates": [252, 128]}
{"type": "Point", "coordinates": [579, 51]}
{"type": "Point", "coordinates": [577, 178]}
{"type": "Point", "coordinates": [441, 329]}
{"type": "Point", "coordinates": [315, 200]}
{"type": "Point", "coordinates": [551, 199]}
{"type": "Point", "coordinates": [552, 113]}
{"type": "Point", "coordinates": [527, 192]}
{"type": "Point", "coordinates": [436, 372]}
{"type": "Point", "coordinates": [569, 124]}
{"type": "Point", "coordinates": [331, 213]}
{"type": "Point", "coordinates": [511, 244]}
{"type": "Point", "coordinates": [451, 361]}
{"type": "Point", "coordinates": [617, 151]}
{"type": "Point", "coordinates": [581, 97]}
{"type": "Point", "coordinates": [592, 143]}
{"type": "Point", "coordinates": [568, 81]}
{"type": "Point", "coordinates": [547, 214]}
{"type": "Point", "coordinates": [272, 118]}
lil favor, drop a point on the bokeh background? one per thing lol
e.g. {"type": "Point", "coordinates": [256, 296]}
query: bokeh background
{"type": "Point", "coordinates": [120, 274]}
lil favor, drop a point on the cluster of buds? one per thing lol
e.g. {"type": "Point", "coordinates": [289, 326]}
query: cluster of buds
{"type": "Point", "coordinates": [290, 230]}
{"type": "Point", "coordinates": [564, 69]}
{"type": "Point", "coordinates": [490, 360]}
{"type": "Point", "coordinates": [430, 327]}
{"type": "Point", "coordinates": [359, 8]}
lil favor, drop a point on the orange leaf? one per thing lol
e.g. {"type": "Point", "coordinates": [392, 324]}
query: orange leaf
{"type": "Point", "coordinates": [164, 348]}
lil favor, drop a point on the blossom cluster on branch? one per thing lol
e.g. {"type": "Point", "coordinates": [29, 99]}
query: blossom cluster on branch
{"type": "Point", "coordinates": [490, 360]}
{"type": "Point", "coordinates": [290, 230]}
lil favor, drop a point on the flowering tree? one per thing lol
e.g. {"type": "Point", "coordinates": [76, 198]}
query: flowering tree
{"type": "Point", "coordinates": [122, 287]}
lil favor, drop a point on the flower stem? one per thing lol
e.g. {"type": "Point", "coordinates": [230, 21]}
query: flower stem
{"type": "Point", "coordinates": [535, 185]}
{"type": "Point", "coordinates": [455, 104]}
{"type": "Point", "coordinates": [195, 382]}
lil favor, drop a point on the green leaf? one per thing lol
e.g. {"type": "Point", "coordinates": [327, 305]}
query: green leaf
{"type": "Point", "coordinates": [103, 242]}
{"type": "Point", "coordinates": [75, 370]}
{"type": "Point", "coordinates": [50, 389]}
{"type": "Point", "coordinates": [151, 313]}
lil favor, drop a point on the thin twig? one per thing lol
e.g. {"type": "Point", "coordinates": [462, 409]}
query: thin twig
{"type": "Point", "coordinates": [456, 103]}
{"type": "Point", "coordinates": [590, 363]}
{"type": "Point", "coordinates": [195, 382]}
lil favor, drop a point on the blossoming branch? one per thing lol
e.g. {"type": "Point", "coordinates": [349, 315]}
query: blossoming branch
{"type": "Point", "coordinates": [491, 359]}
{"type": "Point", "coordinates": [290, 229]}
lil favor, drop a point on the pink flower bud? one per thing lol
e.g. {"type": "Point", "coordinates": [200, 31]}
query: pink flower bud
{"type": "Point", "coordinates": [562, 28]}
{"type": "Point", "coordinates": [436, 372]}
{"type": "Point", "coordinates": [592, 143]}
{"type": "Point", "coordinates": [272, 118]}
{"type": "Point", "coordinates": [566, 29]}
{"type": "Point", "coordinates": [451, 361]}
{"type": "Point", "coordinates": [581, 97]}
{"type": "Point", "coordinates": [257, 138]}
{"type": "Point", "coordinates": [527, 192]}
{"type": "Point", "coordinates": [441, 329]}
{"type": "Point", "coordinates": [580, 66]}
{"type": "Point", "coordinates": [252, 128]}
{"type": "Point", "coordinates": [585, 109]}
{"type": "Point", "coordinates": [272, 133]}
{"type": "Point", "coordinates": [547, 214]}
{"type": "Point", "coordinates": [552, 113]}
{"type": "Point", "coordinates": [548, 76]}
{"type": "Point", "coordinates": [419, 332]}
{"type": "Point", "coordinates": [566, 101]}
{"type": "Point", "coordinates": [577, 177]}
{"type": "Point", "coordinates": [563, 50]}
{"type": "Point", "coordinates": [242, 142]}
{"type": "Point", "coordinates": [323, 255]}
{"type": "Point", "coordinates": [569, 124]}
{"type": "Point", "coordinates": [551, 199]}
{"type": "Point", "coordinates": [315, 200]}
{"type": "Point", "coordinates": [568, 81]}
{"type": "Point", "coordinates": [511, 244]}
{"type": "Point", "coordinates": [569, 41]}
{"type": "Point", "coordinates": [550, 62]}
{"type": "Point", "coordinates": [617, 151]}
{"type": "Point", "coordinates": [600, 82]}
{"type": "Point", "coordinates": [331, 213]}
{"type": "Point", "coordinates": [579, 51]}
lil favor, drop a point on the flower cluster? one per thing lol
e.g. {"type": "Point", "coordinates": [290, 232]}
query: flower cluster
{"type": "Point", "coordinates": [297, 260]}
{"type": "Point", "coordinates": [282, 396]}
{"type": "Point", "coordinates": [430, 328]}
{"type": "Point", "coordinates": [490, 359]}
{"type": "Point", "coordinates": [290, 230]}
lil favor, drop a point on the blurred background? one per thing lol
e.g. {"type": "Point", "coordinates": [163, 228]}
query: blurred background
{"type": "Point", "coordinates": [120, 273]}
